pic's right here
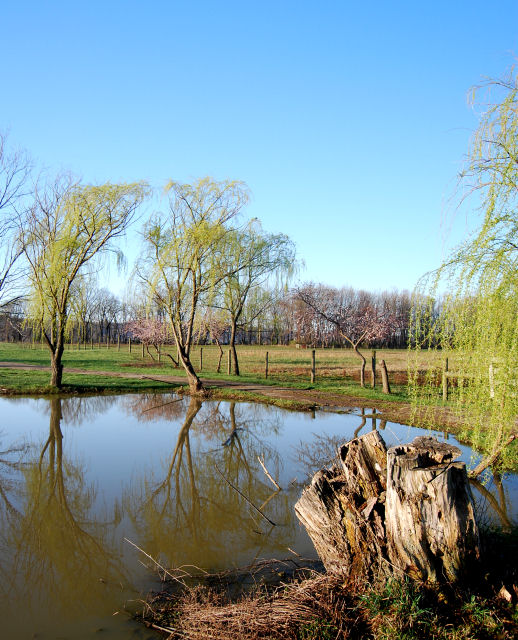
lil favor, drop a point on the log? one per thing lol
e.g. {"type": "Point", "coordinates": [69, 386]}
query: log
{"type": "Point", "coordinates": [377, 513]}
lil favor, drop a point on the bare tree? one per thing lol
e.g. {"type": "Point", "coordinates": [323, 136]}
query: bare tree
{"type": "Point", "coordinates": [352, 313]}
{"type": "Point", "coordinates": [107, 307]}
{"type": "Point", "coordinates": [15, 172]}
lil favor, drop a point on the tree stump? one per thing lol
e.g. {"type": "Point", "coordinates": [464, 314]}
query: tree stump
{"type": "Point", "coordinates": [430, 523]}
{"type": "Point", "coordinates": [378, 513]}
{"type": "Point", "coordinates": [343, 509]}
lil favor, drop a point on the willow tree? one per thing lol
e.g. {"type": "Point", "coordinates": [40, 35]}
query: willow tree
{"type": "Point", "coordinates": [68, 227]}
{"type": "Point", "coordinates": [252, 257]}
{"type": "Point", "coordinates": [183, 261]}
{"type": "Point", "coordinates": [478, 319]}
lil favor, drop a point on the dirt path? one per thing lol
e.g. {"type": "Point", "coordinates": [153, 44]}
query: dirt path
{"type": "Point", "coordinates": [307, 399]}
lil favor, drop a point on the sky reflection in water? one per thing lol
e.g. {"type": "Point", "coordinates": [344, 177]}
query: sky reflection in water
{"type": "Point", "coordinates": [79, 475]}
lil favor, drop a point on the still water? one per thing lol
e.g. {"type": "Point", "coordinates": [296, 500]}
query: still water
{"type": "Point", "coordinates": [80, 477]}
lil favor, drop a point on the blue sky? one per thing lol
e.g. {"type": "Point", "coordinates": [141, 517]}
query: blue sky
{"type": "Point", "coordinates": [347, 120]}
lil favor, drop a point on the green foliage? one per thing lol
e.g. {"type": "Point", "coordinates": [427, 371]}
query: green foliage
{"type": "Point", "coordinates": [68, 228]}
{"type": "Point", "coordinates": [402, 608]}
{"type": "Point", "coordinates": [317, 630]}
{"type": "Point", "coordinates": [184, 260]}
{"type": "Point", "coordinates": [476, 320]}
{"type": "Point", "coordinates": [69, 225]}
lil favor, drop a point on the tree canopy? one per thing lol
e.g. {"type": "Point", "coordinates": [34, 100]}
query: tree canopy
{"type": "Point", "coordinates": [183, 260]}
{"type": "Point", "coordinates": [252, 257]}
{"type": "Point", "coordinates": [67, 227]}
{"type": "Point", "coordinates": [478, 319]}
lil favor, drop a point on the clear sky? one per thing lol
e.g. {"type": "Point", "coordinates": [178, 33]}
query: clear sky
{"type": "Point", "coordinates": [347, 120]}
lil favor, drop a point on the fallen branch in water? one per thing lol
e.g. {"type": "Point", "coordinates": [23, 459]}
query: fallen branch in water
{"type": "Point", "coordinates": [267, 474]}
{"type": "Point", "coordinates": [490, 460]}
{"type": "Point", "coordinates": [161, 568]}
{"type": "Point", "coordinates": [159, 406]}
{"type": "Point", "coordinates": [247, 499]}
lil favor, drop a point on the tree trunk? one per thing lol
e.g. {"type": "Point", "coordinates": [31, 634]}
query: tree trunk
{"type": "Point", "coordinates": [56, 368]}
{"type": "Point", "coordinates": [431, 528]}
{"type": "Point", "coordinates": [362, 369]}
{"type": "Point", "coordinates": [342, 510]}
{"type": "Point", "coordinates": [218, 370]}
{"type": "Point", "coordinates": [195, 384]}
{"type": "Point", "coordinates": [233, 349]}
{"type": "Point", "coordinates": [379, 513]}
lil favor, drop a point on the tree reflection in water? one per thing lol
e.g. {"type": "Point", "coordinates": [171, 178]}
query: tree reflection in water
{"type": "Point", "coordinates": [58, 550]}
{"type": "Point", "coordinates": [57, 541]}
{"type": "Point", "coordinates": [497, 505]}
{"type": "Point", "coordinates": [191, 515]}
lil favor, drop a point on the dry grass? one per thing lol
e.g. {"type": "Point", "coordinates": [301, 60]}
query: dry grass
{"type": "Point", "coordinates": [316, 607]}
{"type": "Point", "coordinates": [289, 364]}
{"type": "Point", "coordinates": [327, 607]}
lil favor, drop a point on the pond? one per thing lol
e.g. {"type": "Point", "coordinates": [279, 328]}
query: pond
{"type": "Point", "coordinates": [83, 480]}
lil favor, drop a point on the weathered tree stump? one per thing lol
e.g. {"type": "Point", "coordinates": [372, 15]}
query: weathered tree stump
{"type": "Point", "coordinates": [343, 508]}
{"type": "Point", "coordinates": [408, 510]}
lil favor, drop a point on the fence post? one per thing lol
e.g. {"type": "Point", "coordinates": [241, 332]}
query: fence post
{"type": "Point", "coordinates": [201, 358]}
{"type": "Point", "coordinates": [118, 342]}
{"type": "Point", "coordinates": [129, 345]}
{"type": "Point", "coordinates": [445, 381]}
{"type": "Point", "coordinates": [142, 345]}
{"type": "Point", "coordinates": [312, 366]}
{"type": "Point", "coordinates": [384, 378]}
{"type": "Point", "coordinates": [266, 366]}
{"type": "Point", "coordinates": [373, 369]}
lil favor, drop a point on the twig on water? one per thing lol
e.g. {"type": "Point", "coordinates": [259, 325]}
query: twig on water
{"type": "Point", "coordinates": [166, 572]}
{"type": "Point", "coordinates": [261, 462]}
{"type": "Point", "coordinates": [243, 496]}
{"type": "Point", "coordinates": [268, 499]}
{"type": "Point", "coordinates": [159, 406]}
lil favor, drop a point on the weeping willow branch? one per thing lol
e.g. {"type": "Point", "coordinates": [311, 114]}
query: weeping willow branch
{"type": "Point", "coordinates": [467, 310]}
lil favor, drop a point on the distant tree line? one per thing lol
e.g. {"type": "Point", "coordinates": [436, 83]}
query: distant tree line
{"type": "Point", "coordinates": [283, 319]}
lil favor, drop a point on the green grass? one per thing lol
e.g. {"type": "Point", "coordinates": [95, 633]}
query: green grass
{"type": "Point", "coordinates": [17, 381]}
{"type": "Point", "coordinates": [290, 367]}
{"type": "Point", "coordinates": [404, 610]}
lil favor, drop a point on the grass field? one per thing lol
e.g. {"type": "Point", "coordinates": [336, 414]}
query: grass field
{"type": "Point", "coordinates": [337, 370]}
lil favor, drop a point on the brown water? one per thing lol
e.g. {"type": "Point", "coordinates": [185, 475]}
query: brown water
{"type": "Point", "coordinates": [78, 476]}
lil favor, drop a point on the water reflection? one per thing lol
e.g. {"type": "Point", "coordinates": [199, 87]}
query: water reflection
{"type": "Point", "coordinates": [194, 499]}
{"type": "Point", "coordinates": [174, 475]}
{"type": "Point", "coordinates": [57, 547]}
{"type": "Point", "coordinates": [497, 504]}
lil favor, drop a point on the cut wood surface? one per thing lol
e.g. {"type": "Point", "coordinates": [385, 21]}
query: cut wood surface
{"type": "Point", "coordinates": [406, 510]}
